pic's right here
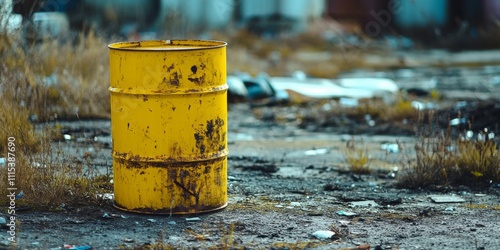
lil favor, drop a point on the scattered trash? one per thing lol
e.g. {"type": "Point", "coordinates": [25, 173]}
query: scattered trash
{"type": "Point", "coordinates": [20, 195]}
{"type": "Point", "coordinates": [152, 220]}
{"type": "Point", "coordinates": [106, 196]}
{"type": "Point", "coordinates": [353, 88]}
{"type": "Point", "coordinates": [194, 219]}
{"type": "Point", "coordinates": [390, 147]}
{"type": "Point", "coordinates": [237, 90]}
{"type": "Point", "coordinates": [67, 137]}
{"type": "Point", "coordinates": [320, 151]}
{"type": "Point", "coordinates": [295, 204]}
{"type": "Point", "coordinates": [111, 216]}
{"type": "Point", "coordinates": [446, 199]}
{"type": "Point", "coordinates": [423, 106]}
{"type": "Point", "coordinates": [347, 214]}
{"type": "Point", "coordinates": [480, 195]}
{"type": "Point", "coordinates": [172, 223]}
{"type": "Point", "coordinates": [368, 203]}
{"type": "Point", "coordinates": [74, 247]}
{"type": "Point", "coordinates": [38, 165]}
{"type": "Point", "coordinates": [458, 121]}
{"type": "Point", "coordinates": [2, 161]}
{"type": "Point", "coordinates": [128, 240]}
{"type": "Point", "coordinates": [348, 102]}
{"type": "Point", "coordinates": [323, 235]}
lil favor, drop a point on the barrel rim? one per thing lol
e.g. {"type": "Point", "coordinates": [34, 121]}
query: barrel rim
{"type": "Point", "coordinates": [163, 45]}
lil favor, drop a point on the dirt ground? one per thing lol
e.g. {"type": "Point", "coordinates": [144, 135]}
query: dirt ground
{"type": "Point", "coordinates": [285, 182]}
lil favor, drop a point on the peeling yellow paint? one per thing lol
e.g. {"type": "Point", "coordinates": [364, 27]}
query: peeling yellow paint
{"type": "Point", "coordinates": [169, 125]}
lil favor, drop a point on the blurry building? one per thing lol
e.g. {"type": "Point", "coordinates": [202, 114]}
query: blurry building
{"type": "Point", "coordinates": [270, 17]}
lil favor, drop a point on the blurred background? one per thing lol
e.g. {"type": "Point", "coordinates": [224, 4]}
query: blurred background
{"type": "Point", "coordinates": [56, 50]}
{"type": "Point", "coordinates": [459, 24]}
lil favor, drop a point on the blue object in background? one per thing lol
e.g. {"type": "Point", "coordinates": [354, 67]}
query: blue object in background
{"type": "Point", "coordinates": [414, 14]}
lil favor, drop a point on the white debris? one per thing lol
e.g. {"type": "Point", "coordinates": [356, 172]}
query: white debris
{"type": "Point", "coordinates": [390, 147]}
{"type": "Point", "coordinates": [446, 199]}
{"type": "Point", "coordinates": [106, 196]}
{"type": "Point", "coordinates": [320, 151]}
{"type": "Point", "coordinates": [368, 203]}
{"type": "Point", "coordinates": [323, 234]}
{"type": "Point", "coordinates": [354, 88]}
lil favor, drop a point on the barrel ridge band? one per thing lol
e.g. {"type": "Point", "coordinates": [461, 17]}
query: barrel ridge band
{"type": "Point", "coordinates": [170, 160]}
{"type": "Point", "coordinates": [169, 92]}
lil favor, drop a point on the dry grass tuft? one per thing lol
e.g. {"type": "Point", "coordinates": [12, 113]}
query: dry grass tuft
{"type": "Point", "coordinates": [41, 82]}
{"type": "Point", "coordinates": [443, 160]}
{"type": "Point", "coordinates": [54, 78]}
{"type": "Point", "coordinates": [357, 158]}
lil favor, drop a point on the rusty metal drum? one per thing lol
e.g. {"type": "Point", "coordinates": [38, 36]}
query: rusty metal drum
{"type": "Point", "coordinates": [169, 125]}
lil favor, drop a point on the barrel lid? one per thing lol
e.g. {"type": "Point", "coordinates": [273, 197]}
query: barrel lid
{"type": "Point", "coordinates": [167, 45]}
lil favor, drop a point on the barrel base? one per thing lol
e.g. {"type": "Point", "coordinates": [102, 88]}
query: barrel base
{"type": "Point", "coordinates": [168, 211]}
{"type": "Point", "coordinates": [170, 188]}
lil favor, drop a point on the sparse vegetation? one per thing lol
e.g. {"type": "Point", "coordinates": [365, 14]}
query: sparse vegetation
{"type": "Point", "coordinates": [444, 160]}
{"type": "Point", "coordinates": [40, 82]}
{"type": "Point", "coordinates": [357, 158]}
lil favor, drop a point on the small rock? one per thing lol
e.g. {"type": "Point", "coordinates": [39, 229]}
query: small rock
{"type": "Point", "coordinates": [449, 209]}
{"type": "Point", "coordinates": [172, 223]}
{"type": "Point", "coordinates": [295, 204]}
{"type": "Point", "coordinates": [232, 178]}
{"type": "Point", "coordinates": [446, 199]}
{"type": "Point", "coordinates": [128, 240]}
{"type": "Point", "coordinates": [151, 220]}
{"type": "Point", "coordinates": [323, 235]}
{"type": "Point", "coordinates": [313, 152]}
{"type": "Point", "coordinates": [194, 219]}
{"type": "Point", "coordinates": [390, 147]}
{"type": "Point", "coordinates": [480, 225]}
{"type": "Point", "coordinates": [348, 214]}
{"type": "Point", "coordinates": [35, 244]}
{"type": "Point", "coordinates": [3, 222]}
{"type": "Point", "coordinates": [368, 203]}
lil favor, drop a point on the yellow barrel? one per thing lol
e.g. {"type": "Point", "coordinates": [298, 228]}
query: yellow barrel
{"type": "Point", "coordinates": [169, 125]}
